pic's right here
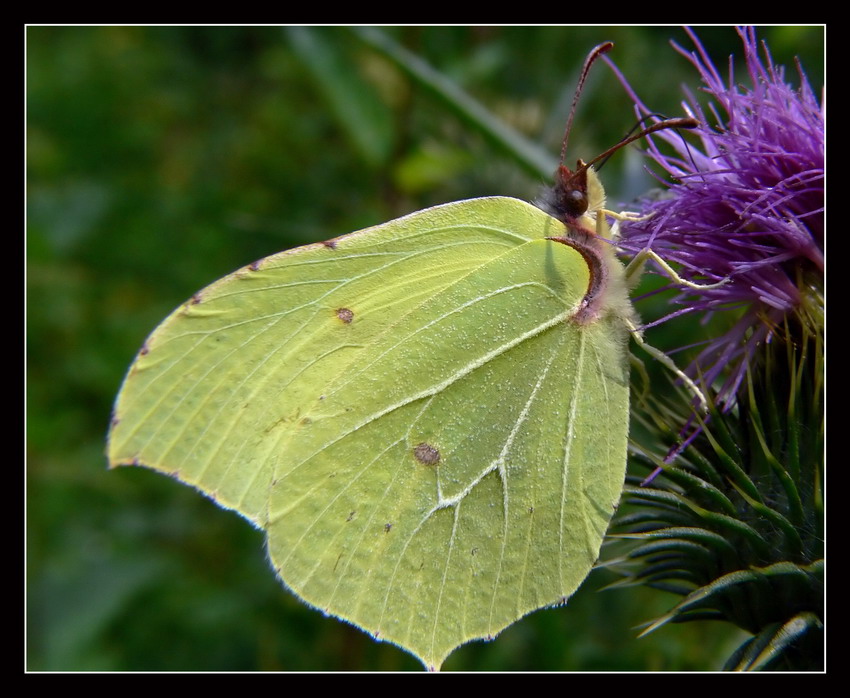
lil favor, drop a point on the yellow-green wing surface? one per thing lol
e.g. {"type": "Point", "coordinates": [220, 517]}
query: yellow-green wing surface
{"type": "Point", "coordinates": [432, 445]}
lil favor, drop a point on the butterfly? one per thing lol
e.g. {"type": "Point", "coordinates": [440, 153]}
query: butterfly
{"type": "Point", "coordinates": [427, 418]}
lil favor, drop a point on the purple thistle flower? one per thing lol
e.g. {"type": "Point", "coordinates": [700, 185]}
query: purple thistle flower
{"type": "Point", "coordinates": [747, 207]}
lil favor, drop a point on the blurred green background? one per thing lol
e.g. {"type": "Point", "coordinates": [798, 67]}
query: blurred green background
{"type": "Point", "coordinates": [160, 159]}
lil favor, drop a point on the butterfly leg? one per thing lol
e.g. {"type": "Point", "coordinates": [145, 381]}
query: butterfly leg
{"type": "Point", "coordinates": [665, 360]}
{"type": "Point", "coordinates": [633, 272]}
{"type": "Point", "coordinates": [629, 216]}
{"type": "Point", "coordinates": [635, 268]}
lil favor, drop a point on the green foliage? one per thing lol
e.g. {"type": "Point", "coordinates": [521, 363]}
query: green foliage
{"type": "Point", "coordinates": [160, 158]}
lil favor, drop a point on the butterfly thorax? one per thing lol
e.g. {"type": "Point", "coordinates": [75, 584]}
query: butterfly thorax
{"type": "Point", "coordinates": [576, 200]}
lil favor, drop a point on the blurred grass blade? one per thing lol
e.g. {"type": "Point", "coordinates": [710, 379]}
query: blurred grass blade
{"type": "Point", "coordinates": [359, 110]}
{"type": "Point", "coordinates": [534, 159]}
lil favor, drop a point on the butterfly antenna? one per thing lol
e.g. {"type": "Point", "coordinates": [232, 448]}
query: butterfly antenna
{"type": "Point", "coordinates": [663, 118]}
{"type": "Point", "coordinates": [630, 132]}
{"type": "Point", "coordinates": [683, 122]}
{"type": "Point", "coordinates": [589, 61]}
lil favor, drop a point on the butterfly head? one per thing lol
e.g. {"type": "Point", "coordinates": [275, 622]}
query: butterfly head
{"type": "Point", "coordinates": [577, 192]}
{"type": "Point", "coordinates": [574, 193]}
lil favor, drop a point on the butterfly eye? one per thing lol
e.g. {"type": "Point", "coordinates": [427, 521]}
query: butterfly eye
{"type": "Point", "coordinates": [577, 201]}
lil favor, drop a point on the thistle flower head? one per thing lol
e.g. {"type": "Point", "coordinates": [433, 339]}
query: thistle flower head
{"type": "Point", "coordinates": [747, 207]}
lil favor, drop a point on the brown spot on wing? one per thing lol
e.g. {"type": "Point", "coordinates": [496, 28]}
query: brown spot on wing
{"type": "Point", "coordinates": [426, 454]}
